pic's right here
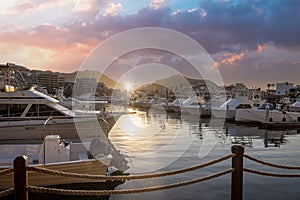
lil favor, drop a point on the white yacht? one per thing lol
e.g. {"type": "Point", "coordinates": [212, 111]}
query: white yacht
{"type": "Point", "coordinates": [228, 109]}
{"type": "Point", "coordinates": [175, 106]}
{"type": "Point", "coordinates": [295, 107]}
{"type": "Point", "coordinates": [195, 107]}
{"type": "Point", "coordinates": [30, 114]}
{"type": "Point", "coordinates": [55, 154]}
{"type": "Point", "coordinates": [265, 114]}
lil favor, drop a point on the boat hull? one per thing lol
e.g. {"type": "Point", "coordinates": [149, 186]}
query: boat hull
{"type": "Point", "coordinates": [92, 166]}
{"type": "Point", "coordinates": [193, 110]}
{"type": "Point", "coordinates": [223, 114]}
{"type": "Point", "coordinates": [69, 128]}
{"type": "Point", "coordinates": [260, 116]}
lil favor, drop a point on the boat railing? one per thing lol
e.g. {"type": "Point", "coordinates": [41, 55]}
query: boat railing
{"type": "Point", "coordinates": [46, 114]}
{"type": "Point", "coordinates": [53, 118]}
{"type": "Point", "coordinates": [29, 114]}
{"type": "Point", "coordinates": [44, 137]}
{"type": "Point", "coordinates": [106, 124]}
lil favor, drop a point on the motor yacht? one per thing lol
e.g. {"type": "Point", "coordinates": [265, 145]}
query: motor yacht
{"type": "Point", "coordinates": [55, 154]}
{"type": "Point", "coordinates": [228, 109]}
{"type": "Point", "coordinates": [265, 114]}
{"type": "Point", "coordinates": [28, 114]}
{"type": "Point", "coordinates": [195, 107]}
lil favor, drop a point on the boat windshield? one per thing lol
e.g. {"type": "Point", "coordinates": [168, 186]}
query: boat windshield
{"type": "Point", "coordinates": [27, 110]}
{"type": "Point", "coordinates": [42, 110]}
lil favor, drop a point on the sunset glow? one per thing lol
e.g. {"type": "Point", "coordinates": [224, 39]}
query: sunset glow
{"type": "Point", "coordinates": [128, 86]}
{"type": "Point", "coordinates": [33, 36]}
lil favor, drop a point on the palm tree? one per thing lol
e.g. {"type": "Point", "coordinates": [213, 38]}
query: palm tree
{"type": "Point", "coordinates": [269, 85]}
{"type": "Point", "coordinates": [273, 85]}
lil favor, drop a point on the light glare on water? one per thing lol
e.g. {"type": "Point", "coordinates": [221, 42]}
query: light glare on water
{"type": "Point", "coordinates": [184, 142]}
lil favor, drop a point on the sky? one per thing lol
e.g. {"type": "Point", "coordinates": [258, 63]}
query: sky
{"type": "Point", "coordinates": [251, 41]}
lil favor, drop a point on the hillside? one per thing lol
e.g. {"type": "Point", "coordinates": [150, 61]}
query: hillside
{"type": "Point", "coordinates": [178, 80]}
{"type": "Point", "coordinates": [70, 77]}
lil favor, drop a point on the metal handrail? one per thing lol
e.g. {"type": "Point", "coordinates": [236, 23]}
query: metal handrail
{"type": "Point", "coordinates": [44, 136]}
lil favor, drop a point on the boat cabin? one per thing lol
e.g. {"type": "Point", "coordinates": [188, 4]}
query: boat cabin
{"type": "Point", "coordinates": [30, 103]}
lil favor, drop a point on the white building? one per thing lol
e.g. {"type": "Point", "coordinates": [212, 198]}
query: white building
{"type": "Point", "coordinates": [283, 88]}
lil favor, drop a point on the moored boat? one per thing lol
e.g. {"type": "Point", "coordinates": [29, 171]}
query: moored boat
{"type": "Point", "coordinates": [267, 114]}
{"type": "Point", "coordinates": [54, 154]}
{"type": "Point", "coordinates": [228, 109]}
{"type": "Point", "coordinates": [195, 107]}
{"type": "Point", "coordinates": [295, 107]}
{"type": "Point", "coordinates": [30, 114]}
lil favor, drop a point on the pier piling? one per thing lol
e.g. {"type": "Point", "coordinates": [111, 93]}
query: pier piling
{"type": "Point", "coordinates": [20, 178]}
{"type": "Point", "coordinates": [237, 175]}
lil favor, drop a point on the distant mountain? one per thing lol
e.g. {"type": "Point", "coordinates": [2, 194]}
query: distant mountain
{"type": "Point", "coordinates": [178, 80]}
{"type": "Point", "coordinates": [70, 77]}
{"type": "Point", "coordinates": [170, 82]}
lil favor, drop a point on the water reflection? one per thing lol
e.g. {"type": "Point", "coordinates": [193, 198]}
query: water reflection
{"type": "Point", "coordinates": [197, 141]}
{"type": "Point", "coordinates": [238, 133]}
{"type": "Point", "coordinates": [153, 130]}
{"type": "Point", "coordinates": [151, 137]}
{"type": "Point", "coordinates": [244, 135]}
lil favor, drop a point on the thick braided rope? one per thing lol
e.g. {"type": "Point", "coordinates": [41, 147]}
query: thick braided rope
{"type": "Point", "coordinates": [128, 191]}
{"type": "Point", "coordinates": [6, 192]}
{"type": "Point", "coordinates": [6, 171]}
{"type": "Point", "coordinates": [130, 177]}
{"type": "Point", "coordinates": [271, 174]}
{"type": "Point", "coordinates": [270, 164]}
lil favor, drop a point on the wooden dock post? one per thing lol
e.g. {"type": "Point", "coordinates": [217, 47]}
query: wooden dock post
{"type": "Point", "coordinates": [237, 175]}
{"type": "Point", "coordinates": [20, 178]}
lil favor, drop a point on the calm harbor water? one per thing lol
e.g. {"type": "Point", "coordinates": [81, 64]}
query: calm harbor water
{"type": "Point", "coordinates": [156, 141]}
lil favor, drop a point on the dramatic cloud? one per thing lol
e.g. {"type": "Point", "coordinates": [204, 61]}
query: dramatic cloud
{"type": "Point", "coordinates": [231, 59]}
{"type": "Point", "coordinates": [156, 4]}
{"type": "Point", "coordinates": [242, 36]}
{"type": "Point", "coordinates": [26, 6]}
{"type": "Point", "coordinates": [260, 48]}
{"type": "Point", "coordinates": [89, 7]}
{"type": "Point", "coordinates": [270, 65]}
{"type": "Point", "coordinates": [113, 8]}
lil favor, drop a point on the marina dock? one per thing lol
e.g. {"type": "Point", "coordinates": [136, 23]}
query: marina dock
{"type": "Point", "coordinates": [21, 176]}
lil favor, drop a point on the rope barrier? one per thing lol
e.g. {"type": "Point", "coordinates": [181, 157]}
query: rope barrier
{"type": "Point", "coordinates": [271, 174]}
{"type": "Point", "coordinates": [271, 164]}
{"type": "Point", "coordinates": [7, 192]}
{"type": "Point", "coordinates": [130, 177]}
{"type": "Point", "coordinates": [6, 171]}
{"type": "Point", "coordinates": [128, 191]}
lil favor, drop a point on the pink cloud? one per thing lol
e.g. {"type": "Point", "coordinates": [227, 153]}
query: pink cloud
{"type": "Point", "coordinates": [48, 36]}
{"type": "Point", "coordinates": [260, 48]}
{"type": "Point", "coordinates": [46, 46]}
{"type": "Point", "coordinates": [89, 7]}
{"type": "Point", "coordinates": [25, 6]}
{"type": "Point", "coordinates": [216, 64]}
{"type": "Point", "coordinates": [156, 4]}
{"type": "Point", "coordinates": [232, 58]}
{"type": "Point", "coordinates": [113, 8]}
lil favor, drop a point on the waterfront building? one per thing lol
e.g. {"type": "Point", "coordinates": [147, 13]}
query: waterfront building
{"type": "Point", "coordinates": [51, 81]}
{"type": "Point", "coordinates": [283, 88]}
